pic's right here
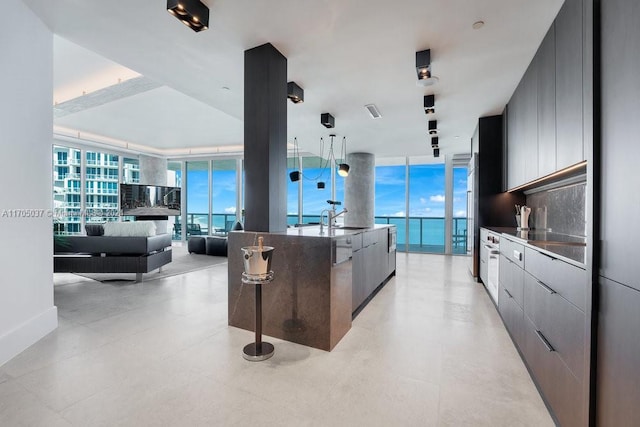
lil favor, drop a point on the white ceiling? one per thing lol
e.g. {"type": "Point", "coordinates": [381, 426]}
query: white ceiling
{"type": "Point", "coordinates": [344, 53]}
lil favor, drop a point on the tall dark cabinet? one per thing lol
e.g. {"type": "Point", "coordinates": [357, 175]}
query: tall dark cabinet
{"type": "Point", "coordinates": [618, 351]}
{"type": "Point", "coordinates": [489, 205]}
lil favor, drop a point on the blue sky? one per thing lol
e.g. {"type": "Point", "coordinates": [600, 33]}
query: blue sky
{"type": "Point", "coordinates": [426, 190]}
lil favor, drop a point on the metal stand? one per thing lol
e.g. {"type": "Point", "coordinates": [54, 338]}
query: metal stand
{"type": "Point", "coordinates": [258, 350]}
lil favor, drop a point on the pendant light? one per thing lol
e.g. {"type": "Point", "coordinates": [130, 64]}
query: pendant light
{"type": "Point", "coordinates": [343, 168]}
{"type": "Point", "coordinates": [295, 174]}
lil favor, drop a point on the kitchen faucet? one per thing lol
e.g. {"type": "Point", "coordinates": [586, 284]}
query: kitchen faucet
{"type": "Point", "coordinates": [331, 216]}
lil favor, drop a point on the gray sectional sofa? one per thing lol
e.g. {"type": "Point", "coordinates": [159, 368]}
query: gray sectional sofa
{"type": "Point", "coordinates": [111, 254]}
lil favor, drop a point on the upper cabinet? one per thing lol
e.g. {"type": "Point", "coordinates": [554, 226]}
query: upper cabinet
{"type": "Point", "coordinates": [546, 64]}
{"type": "Point", "coordinates": [569, 84]}
{"type": "Point", "coordinates": [545, 113]}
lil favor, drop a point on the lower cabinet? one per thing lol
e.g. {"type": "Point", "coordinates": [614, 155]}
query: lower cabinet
{"type": "Point", "coordinates": [618, 381]}
{"type": "Point", "coordinates": [548, 328]}
{"type": "Point", "coordinates": [371, 264]}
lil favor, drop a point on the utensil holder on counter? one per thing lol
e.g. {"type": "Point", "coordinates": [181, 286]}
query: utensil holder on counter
{"type": "Point", "coordinates": [518, 221]}
{"type": "Point", "coordinates": [257, 271]}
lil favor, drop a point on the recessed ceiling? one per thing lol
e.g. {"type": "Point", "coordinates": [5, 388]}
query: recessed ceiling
{"type": "Point", "coordinates": [345, 54]}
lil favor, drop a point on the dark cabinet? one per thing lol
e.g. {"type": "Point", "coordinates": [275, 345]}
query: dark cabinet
{"type": "Point", "coordinates": [529, 136]}
{"type": "Point", "coordinates": [618, 377]}
{"type": "Point", "coordinates": [560, 388]}
{"type": "Point", "coordinates": [569, 84]}
{"type": "Point", "coordinates": [620, 201]}
{"type": "Point", "coordinates": [546, 64]}
{"type": "Point", "coordinates": [549, 330]}
{"type": "Point", "coordinates": [515, 145]}
{"type": "Point", "coordinates": [546, 112]}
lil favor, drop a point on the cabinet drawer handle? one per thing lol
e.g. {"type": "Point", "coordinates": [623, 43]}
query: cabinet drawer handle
{"type": "Point", "coordinates": [548, 256]}
{"type": "Point", "coordinates": [546, 288]}
{"type": "Point", "coordinates": [517, 255]}
{"type": "Point", "coordinates": [508, 294]}
{"type": "Point", "coordinates": [544, 341]}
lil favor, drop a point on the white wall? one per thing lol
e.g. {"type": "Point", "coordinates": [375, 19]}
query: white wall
{"type": "Point", "coordinates": [27, 312]}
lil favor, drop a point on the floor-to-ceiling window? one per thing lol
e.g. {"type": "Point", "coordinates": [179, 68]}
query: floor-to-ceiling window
{"type": "Point", "coordinates": [390, 190]}
{"type": "Point", "coordinates": [197, 222]}
{"type": "Point", "coordinates": [293, 165]}
{"type": "Point", "coordinates": [67, 198]}
{"type": "Point", "coordinates": [223, 195]}
{"type": "Point", "coordinates": [426, 206]}
{"type": "Point", "coordinates": [459, 229]}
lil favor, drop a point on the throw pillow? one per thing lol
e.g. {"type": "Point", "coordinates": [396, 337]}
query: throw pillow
{"type": "Point", "coordinates": [94, 229]}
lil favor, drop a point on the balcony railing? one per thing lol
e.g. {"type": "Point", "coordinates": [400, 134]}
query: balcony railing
{"type": "Point", "coordinates": [101, 177]}
{"type": "Point", "coordinates": [426, 234]}
{"type": "Point", "coordinates": [102, 191]}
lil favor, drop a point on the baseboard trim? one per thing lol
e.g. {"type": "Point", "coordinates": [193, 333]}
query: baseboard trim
{"type": "Point", "coordinates": [22, 337]}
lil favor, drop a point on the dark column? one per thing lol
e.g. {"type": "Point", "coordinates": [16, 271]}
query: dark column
{"type": "Point", "coordinates": [265, 139]}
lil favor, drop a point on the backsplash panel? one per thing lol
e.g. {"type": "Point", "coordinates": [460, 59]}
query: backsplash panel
{"type": "Point", "coordinates": [562, 209]}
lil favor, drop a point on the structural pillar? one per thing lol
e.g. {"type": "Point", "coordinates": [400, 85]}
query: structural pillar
{"type": "Point", "coordinates": [359, 190]}
{"type": "Point", "coordinates": [265, 139]}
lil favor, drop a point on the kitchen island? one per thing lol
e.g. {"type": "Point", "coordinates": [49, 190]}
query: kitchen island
{"type": "Point", "coordinates": [316, 276]}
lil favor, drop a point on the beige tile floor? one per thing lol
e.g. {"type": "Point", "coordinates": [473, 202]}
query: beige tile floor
{"type": "Point", "coordinates": [429, 350]}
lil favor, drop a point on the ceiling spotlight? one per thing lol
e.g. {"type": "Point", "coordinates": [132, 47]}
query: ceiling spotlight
{"type": "Point", "coordinates": [295, 93]}
{"type": "Point", "coordinates": [343, 169]}
{"type": "Point", "coordinates": [433, 127]}
{"type": "Point", "coordinates": [434, 142]}
{"type": "Point", "coordinates": [192, 13]}
{"type": "Point", "coordinates": [429, 104]}
{"type": "Point", "coordinates": [423, 68]}
{"type": "Point", "coordinates": [327, 120]}
{"type": "Point", "coordinates": [436, 152]}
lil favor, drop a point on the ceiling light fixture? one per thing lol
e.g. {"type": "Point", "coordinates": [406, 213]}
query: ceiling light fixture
{"type": "Point", "coordinates": [434, 142]}
{"type": "Point", "coordinates": [436, 152]}
{"type": "Point", "coordinates": [294, 175]}
{"type": "Point", "coordinates": [423, 68]}
{"type": "Point", "coordinates": [327, 120]}
{"type": "Point", "coordinates": [295, 93]}
{"type": "Point", "coordinates": [373, 111]}
{"type": "Point", "coordinates": [343, 168]}
{"type": "Point", "coordinates": [433, 127]}
{"type": "Point", "coordinates": [192, 13]}
{"type": "Point", "coordinates": [429, 104]}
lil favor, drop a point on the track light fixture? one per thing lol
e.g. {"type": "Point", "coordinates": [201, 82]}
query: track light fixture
{"type": "Point", "coordinates": [192, 13]}
{"type": "Point", "coordinates": [433, 127]}
{"type": "Point", "coordinates": [434, 142]}
{"type": "Point", "coordinates": [429, 104]}
{"type": "Point", "coordinates": [436, 152]}
{"type": "Point", "coordinates": [295, 93]}
{"type": "Point", "coordinates": [327, 120]}
{"type": "Point", "coordinates": [423, 68]}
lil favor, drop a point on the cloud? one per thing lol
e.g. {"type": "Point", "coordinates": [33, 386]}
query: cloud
{"type": "Point", "coordinates": [439, 198]}
{"type": "Point", "coordinates": [460, 213]}
{"type": "Point", "coordinates": [400, 213]}
{"type": "Point", "coordinates": [423, 200]}
{"type": "Point", "coordinates": [230, 210]}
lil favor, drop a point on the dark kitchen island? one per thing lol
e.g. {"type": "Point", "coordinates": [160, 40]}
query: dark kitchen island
{"type": "Point", "coordinates": [310, 300]}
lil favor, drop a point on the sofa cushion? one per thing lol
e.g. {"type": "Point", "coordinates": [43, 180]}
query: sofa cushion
{"type": "Point", "coordinates": [111, 245]}
{"type": "Point", "coordinates": [130, 229]}
{"type": "Point", "coordinates": [94, 229]}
